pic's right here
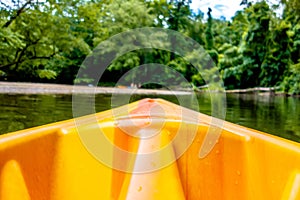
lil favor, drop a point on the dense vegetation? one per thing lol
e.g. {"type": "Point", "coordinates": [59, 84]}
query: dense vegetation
{"type": "Point", "coordinates": [46, 41]}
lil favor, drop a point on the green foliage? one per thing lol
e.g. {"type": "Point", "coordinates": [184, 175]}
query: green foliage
{"type": "Point", "coordinates": [238, 28]}
{"type": "Point", "coordinates": [231, 65]}
{"type": "Point", "coordinates": [255, 43]}
{"type": "Point", "coordinates": [46, 73]}
{"type": "Point", "coordinates": [125, 15]}
{"type": "Point", "coordinates": [196, 28]}
{"type": "Point", "coordinates": [178, 14]}
{"type": "Point", "coordinates": [278, 56]}
{"type": "Point", "coordinates": [37, 38]}
{"type": "Point", "coordinates": [291, 83]}
{"type": "Point", "coordinates": [47, 41]}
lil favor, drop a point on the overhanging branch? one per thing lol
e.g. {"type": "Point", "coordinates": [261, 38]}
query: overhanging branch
{"type": "Point", "coordinates": [17, 15]}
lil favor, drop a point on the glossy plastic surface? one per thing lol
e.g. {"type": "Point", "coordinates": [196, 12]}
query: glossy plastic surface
{"type": "Point", "coordinates": [52, 162]}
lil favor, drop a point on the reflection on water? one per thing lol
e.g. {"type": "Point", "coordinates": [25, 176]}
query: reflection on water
{"type": "Point", "coordinates": [276, 115]}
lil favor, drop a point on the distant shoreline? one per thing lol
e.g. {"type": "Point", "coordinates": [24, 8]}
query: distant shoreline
{"type": "Point", "coordinates": [48, 88]}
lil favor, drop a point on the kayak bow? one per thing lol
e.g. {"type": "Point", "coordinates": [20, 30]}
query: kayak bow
{"type": "Point", "coordinates": [147, 150]}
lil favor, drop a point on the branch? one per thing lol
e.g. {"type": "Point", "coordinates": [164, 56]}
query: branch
{"type": "Point", "coordinates": [31, 58]}
{"type": "Point", "coordinates": [8, 65]}
{"type": "Point", "coordinates": [2, 4]}
{"type": "Point", "coordinates": [19, 55]}
{"type": "Point", "coordinates": [17, 15]}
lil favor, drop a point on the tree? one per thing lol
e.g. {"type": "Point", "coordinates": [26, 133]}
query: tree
{"type": "Point", "coordinates": [291, 82]}
{"type": "Point", "coordinates": [231, 65]}
{"type": "Point", "coordinates": [36, 40]}
{"type": "Point", "coordinates": [47, 41]}
{"type": "Point", "coordinates": [229, 37]}
{"type": "Point", "coordinates": [278, 56]}
{"type": "Point", "coordinates": [119, 17]}
{"type": "Point", "coordinates": [255, 44]}
{"type": "Point", "coordinates": [237, 28]}
{"type": "Point", "coordinates": [291, 6]}
{"type": "Point", "coordinates": [209, 40]}
{"type": "Point", "coordinates": [196, 28]}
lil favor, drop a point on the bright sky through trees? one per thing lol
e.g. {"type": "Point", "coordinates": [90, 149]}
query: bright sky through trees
{"type": "Point", "coordinates": [220, 8]}
{"type": "Point", "coordinates": [226, 8]}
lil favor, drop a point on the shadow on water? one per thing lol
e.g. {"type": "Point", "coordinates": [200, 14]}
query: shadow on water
{"type": "Point", "coordinates": [276, 115]}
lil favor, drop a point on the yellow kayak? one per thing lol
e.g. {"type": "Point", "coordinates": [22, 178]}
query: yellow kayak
{"type": "Point", "coordinates": [150, 149]}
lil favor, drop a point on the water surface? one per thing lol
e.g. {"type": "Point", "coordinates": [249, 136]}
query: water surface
{"type": "Point", "coordinates": [276, 115]}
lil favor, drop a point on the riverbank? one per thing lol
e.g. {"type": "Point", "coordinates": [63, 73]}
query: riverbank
{"type": "Point", "coordinates": [46, 88]}
{"type": "Point", "coordinates": [42, 88]}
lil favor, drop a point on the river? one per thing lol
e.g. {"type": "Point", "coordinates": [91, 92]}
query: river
{"type": "Point", "coordinates": [277, 115]}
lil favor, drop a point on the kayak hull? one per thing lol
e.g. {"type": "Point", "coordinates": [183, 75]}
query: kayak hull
{"type": "Point", "coordinates": [154, 150]}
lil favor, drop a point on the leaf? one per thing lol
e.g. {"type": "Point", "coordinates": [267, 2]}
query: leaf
{"type": "Point", "coordinates": [46, 74]}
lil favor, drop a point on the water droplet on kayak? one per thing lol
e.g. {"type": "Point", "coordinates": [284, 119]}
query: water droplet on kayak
{"type": "Point", "coordinates": [140, 188]}
{"type": "Point", "coordinates": [238, 172]}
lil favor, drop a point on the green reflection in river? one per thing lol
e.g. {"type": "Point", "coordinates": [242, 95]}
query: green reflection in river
{"type": "Point", "coordinates": [276, 115]}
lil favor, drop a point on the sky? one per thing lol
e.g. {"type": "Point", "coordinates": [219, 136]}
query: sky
{"type": "Point", "coordinates": [226, 8]}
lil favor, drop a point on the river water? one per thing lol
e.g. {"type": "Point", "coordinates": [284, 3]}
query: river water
{"type": "Point", "coordinates": [276, 115]}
